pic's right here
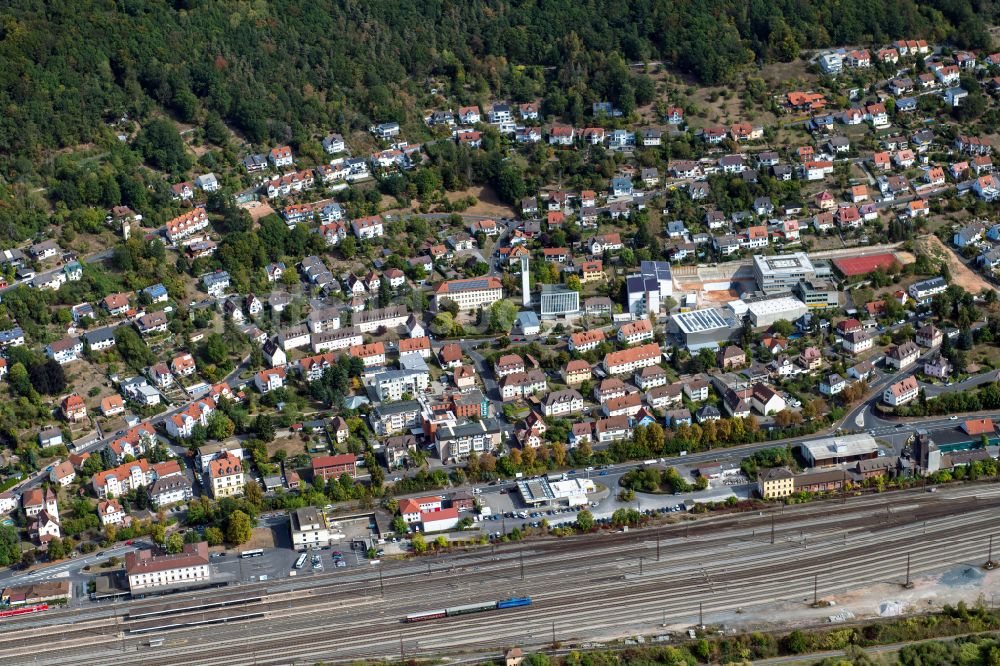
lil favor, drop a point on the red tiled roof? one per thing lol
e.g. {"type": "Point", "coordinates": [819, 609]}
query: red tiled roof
{"type": "Point", "coordinates": [979, 426]}
{"type": "Point", "coordinates": [333, 461]}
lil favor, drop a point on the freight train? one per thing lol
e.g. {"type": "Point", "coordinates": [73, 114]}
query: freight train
{"type": "Point", "coordinates": [469, 608]}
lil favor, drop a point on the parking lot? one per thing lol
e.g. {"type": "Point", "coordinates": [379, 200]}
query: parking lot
{"type": "Point", "coordinates": [353, 529]}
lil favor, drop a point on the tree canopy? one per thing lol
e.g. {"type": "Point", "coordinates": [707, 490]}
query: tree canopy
{"type": "Point", "coordinates": [275, 70]}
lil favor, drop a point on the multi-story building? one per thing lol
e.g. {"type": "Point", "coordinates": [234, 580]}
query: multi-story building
{"type": "Point", "coordinates": [110, 512]}
{"type": "Point", "coordinates": [170, 490]}
{"type": "Point", "coordinates": [65, 351]}
{"type": "Point", "coordinates": [269, 380]}
{"type": "Point", "coordinates": [635, 332]}
{"type": "Point", "coordinates": [924, 290]}
{"type": "Point", "coordinates": [119, 480]}
{"type": "Point", "coordinates": [369, 321]}
{"type": "Point", "coordinates": [577, 371]}
{"type": "Point", "coordinates": [562, 403]}
{"type": "Point", "coordinates": [929, 335]}
{"type": "Point", "coordinates": [586, 340]}
{"type": "Point", "coordinates": [323, 320]}
{"type": "Point", "coordinates": [775, 483]}
{"type": "Point", "coordinates": [817, 293]}
{"type": "Point", "coordinates": [903, 355]}
{"type": "Point", "coordinates": [343, 338]}
{"type": "Point", "coordinates": [309, 528]}
{"type": "Point", "coordinates": [215, 284]}
{"type": "Point", "coordinates": [456, 442]}
{"type": "Point", "coordinates": [901, 392]}
{"type": "Point", "coordinates": [333, 467]}
{"type": "Point", "coordinates": [628, 361]}
{"type": "Point", "coordinates": [650, 377]}
{"type": "Point", "coordinates": [782, 272]}
{"type": "Point", "coordinates": [186, 224]}
{"type": "Point", "coordinates": [612, 429]}
{"type": "Point", "coordinates": [394, 384]}
{"type": "Point", "coordinates": [181, 424]}
{"type": "Point", "coordinates": [522, 384]}
{"type": "Point", "coordinates": [36, 500]}
{"type": "Point", "coordinates": [371, 355]}
{"type": "Point", "coordinates": [225, 475]}
{"type": "Point", "coordinates": [469, 294]}
{"type": "Point", "coordinates": [857, 342]}
{"type": "Point", "coordinates": [147, 572]}
{"type": "Point", "coordinates": [367, 228]}
{"type": "Point", "coordinates": [388, 418]}
{"type": "Point", "coordinates": [508, 364]}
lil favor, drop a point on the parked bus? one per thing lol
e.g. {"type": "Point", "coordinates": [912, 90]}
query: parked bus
{"type": "Point", "coordinates": [259, 552]}
{"type": "Point", "coordinates": [301, 562]}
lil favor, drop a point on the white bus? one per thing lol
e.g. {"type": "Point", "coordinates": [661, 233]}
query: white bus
{"type": "Point", "coordinates": [301, 562]}
{"type": "Point", "coordinates": [259, 552]}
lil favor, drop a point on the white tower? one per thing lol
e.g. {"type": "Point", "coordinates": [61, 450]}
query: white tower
{"type": "Point", "coordinates": [525, 282]}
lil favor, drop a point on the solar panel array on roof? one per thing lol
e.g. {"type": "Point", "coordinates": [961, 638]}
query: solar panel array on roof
{"type": "Point", "coordinates": [483, 283]}
{"type": "Point", "coordinates": [658, 269]}
{"type": "Point", "coordinates": [700, 320]}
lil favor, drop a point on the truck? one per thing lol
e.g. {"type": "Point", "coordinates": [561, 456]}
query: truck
{"type": "Point", "coordinates": [555, 476]}
{"type": "Point", "coordinates": [651, 461]}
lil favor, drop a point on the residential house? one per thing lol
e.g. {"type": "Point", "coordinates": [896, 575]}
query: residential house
{"type": "Point", "coordinates": [226, 476]}
{"type": "Point", "coordinates": [901, 392]}
{"type": "Point", "coordinates": [270, 379]}
{"type": "Point", "coordinates": [902, 356]}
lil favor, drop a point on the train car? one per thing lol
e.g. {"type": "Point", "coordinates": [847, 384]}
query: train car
{"type": "Point", "coordinates": [514, 603]}
{"type": "Point", "coordinates": [426, 615]}
{"type": "Point", "coordinates": [14, 612]}
{"type": "Point", "coordinates": [471, 608]}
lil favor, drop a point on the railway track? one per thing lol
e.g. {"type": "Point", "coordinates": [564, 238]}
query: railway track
{"type": "Point", "coordinates": [566, 577]}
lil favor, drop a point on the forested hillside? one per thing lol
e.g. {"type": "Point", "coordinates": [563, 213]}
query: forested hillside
{"type": "Point", "coordinates": [274, 70]}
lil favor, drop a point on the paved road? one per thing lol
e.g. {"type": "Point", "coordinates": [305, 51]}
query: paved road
{"type": "Point", "coordinates": [933, 390]}
{"type": "Point", "coordinates": [67, 568]}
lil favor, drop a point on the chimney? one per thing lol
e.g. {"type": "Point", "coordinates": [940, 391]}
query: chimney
{"type": "Point", "coordinates": [525, 282]}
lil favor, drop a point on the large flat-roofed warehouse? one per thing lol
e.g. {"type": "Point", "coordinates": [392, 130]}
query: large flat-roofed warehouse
{"type": "Point", "coordinates": [708, 327]}
{"type": "Point", "coordinates": [839, 450]}
{"type": "Point", "coordinates": [765, 312]}
{"type": "Point", "coordinates": [782, 272]}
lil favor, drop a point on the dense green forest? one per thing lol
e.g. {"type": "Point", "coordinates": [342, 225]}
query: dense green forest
{"type": "Point", "coordinates": [277, 70]}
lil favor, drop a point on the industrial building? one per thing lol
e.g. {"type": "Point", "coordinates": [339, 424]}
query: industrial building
{"type": "Point", "coordinates": [765, 311]}
{"type": "Point", "coordinates": [838, 450]}
{"type": "Point", "coordinates": [559, 301]}
{"type": "Point", "coordinates": [708, 327]}
{"type": "Point", "coordinates": [782, 272]}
